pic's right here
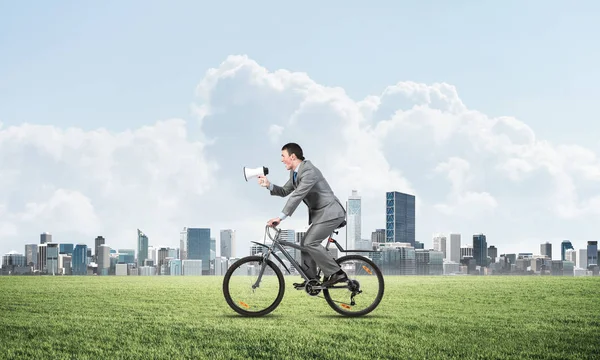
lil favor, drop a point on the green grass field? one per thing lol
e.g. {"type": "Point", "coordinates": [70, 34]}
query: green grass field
{"type": "Point", "coordinates": [187, 317]}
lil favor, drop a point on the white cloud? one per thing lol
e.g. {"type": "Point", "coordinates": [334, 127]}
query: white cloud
{"type": "Point", "coordinates": [462, 202]}
{"type": "Point", "coordinates": [469, 171]}
{"type": "Point", "coordinates": [79, 184]}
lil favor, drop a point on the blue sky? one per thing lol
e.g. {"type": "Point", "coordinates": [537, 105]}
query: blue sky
{"type": "Point", "coordinates": [122, 65]}
{"type": "Point", "coordinates": [90, 65]}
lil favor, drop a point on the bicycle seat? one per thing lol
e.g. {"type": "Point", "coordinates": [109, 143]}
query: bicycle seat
{"type": "Point", "coordinates": [341, 225]}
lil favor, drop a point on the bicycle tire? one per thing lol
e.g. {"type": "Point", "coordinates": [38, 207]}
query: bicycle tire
{"type": "Point", "coordinates": [380, 292]}
{"type": "Point", "coordinates": [268, 309]}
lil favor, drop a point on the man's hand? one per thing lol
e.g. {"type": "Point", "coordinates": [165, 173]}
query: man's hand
{"type": "Point", "coordinates": [274, 222]}
{"type": "Point", "coordinates": [263, 181]}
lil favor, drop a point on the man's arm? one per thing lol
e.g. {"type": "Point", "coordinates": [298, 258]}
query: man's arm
{"type": "Point", "coordinates": [282, 191]}
{"type": "Point", "coordinates": [309, 179]}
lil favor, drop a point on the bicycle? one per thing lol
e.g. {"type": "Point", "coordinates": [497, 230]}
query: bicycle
{"type": "Point", "coordinates": [270, 277]}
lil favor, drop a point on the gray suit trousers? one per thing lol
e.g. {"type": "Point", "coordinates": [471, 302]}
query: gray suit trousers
{"type": "Point", "coordinates": [314, 253]}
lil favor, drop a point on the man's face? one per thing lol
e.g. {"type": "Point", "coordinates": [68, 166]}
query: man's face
{"type": "Point", "coordinates": [287, 159]}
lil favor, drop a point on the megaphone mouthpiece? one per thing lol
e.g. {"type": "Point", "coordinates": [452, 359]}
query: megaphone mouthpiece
{"type": "Point", "coordinates": [254, 172]}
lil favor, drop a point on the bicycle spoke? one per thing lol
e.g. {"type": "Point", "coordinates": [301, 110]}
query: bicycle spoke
{"type": "Point", "coordinates": [241, 293]}
{"type": "Point", "coordinates": [363, 290]}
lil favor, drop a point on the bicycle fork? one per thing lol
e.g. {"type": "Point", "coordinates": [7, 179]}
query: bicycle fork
{"type": "Point", "coordinates": [262, 269]}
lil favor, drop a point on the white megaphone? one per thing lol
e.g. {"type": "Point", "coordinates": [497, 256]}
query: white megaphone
{"type": "Point", "coordinates": [250, 173]}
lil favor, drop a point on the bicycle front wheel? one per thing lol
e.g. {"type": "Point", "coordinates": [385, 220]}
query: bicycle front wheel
{"type": "Point", "coordinates": [363, 291]}
{"type": "Point", "coordinates": [245, 294]}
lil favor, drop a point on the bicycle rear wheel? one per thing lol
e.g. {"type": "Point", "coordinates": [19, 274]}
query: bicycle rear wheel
{"type": "Point", "coordinates": [238, 286]}
{"type": "Point", "coordinates": [364, 290]}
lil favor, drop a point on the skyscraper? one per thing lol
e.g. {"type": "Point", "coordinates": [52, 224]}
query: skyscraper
{"type": "Point", "coordinates": [492, 253]}
{"type": "Point", "coordinates": [400, 217]}
{"type": "Point", "coordinates": [52, 258]}
{"type": "Point", "coordinates": [378, 236]}
{"type": "Point", "coordinates": [65, 249]}
{"type": "Point", "coordinates": [41, 254]}
{"type": "Point", "coordinates": [103, 258]}
{"type": "Point", "coordinates": [480, 249]}
{"type": "Point", "coordinates": [198, 247]}
{"type": "Point", "coordinates": [162, 254]}
{"type": "Point", "coordinates": [228, 243]}
{"type": "Point", "coordinates": [564, 246]}
{"type": "Point", "coordinates": [546, 249]}
{"type": "Point", "coordinates": [453, 248]}
{"type": "Point", "coordinates": [439, 243]}
{"type": "Point", "coordinates": [571, 255]}
{"type": "Point", "coordinates": [592, 253]}
{"type": "Point", "coordinates": [582, 258]}
{"type": "Point", "coordinates": [13, 260]}
{"type": "Point", "coordinates": [182, 244]}
{"type": "Point", "coordinates": [213, 249]}
{"type": "Point", "coordinates": [353, 220]}
{"type": "Point", "coordinates": [142, 247]}
{"type": "Point", "coordinates": [79, 260]}
{"type": "Point", "coordinates": [31, 258]}
{"type": "Point", "coordinates": [97, 243]}
{"type": "Point", "coordinates": [45, 238]}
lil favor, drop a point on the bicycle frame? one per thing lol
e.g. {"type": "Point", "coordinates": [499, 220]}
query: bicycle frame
{"type": "Point", "coordinates": [279, 245]}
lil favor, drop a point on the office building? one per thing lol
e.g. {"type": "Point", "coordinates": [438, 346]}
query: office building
{"type": "Point", "coordinates": [31, 258]}
{"type": "Point", "coordinates": [66, 249]}
{"type": "Point", "coordinates": [439, 243]}
{"type": "Point", "coordinates": [564, 246]}
{"type": "Point", "coordinates": [353, 220]}
{"type": "Point", "coordinates": [103, 258]}
{"type": "Point", "coordinates": [480, 249]}
{"type": "Point", "coordinates": [41, 254]}
{"type": "Point", "coordinates": [45, 238]}
{"type": "Point", "coordinates": [227, 243]}
{"type": "Point", "coordinates": [453, 249]}
{"type": "Point", "coordinates": [97, 243]}
{"type": "Point", "coordinates": [198, 246]}
{"type": "Point", "coordinates": [400, 218]}
{"type": "Point", "coordinates": [582, 259]}
{"type": "Point", "coordinates": [592, 253]}
{"type": "Point", "coordinates": [13, 259]}
{"type": "Point", "coordinates": [378, 236]}
{"type": "Point", "coordinates": [546, 250]}
{"type": "Point", "coordinates": [126, 256]}
{"type": "Point", "coordinates": [571, 255]}
{"type": "Point", "coordinates": [193, 267]}
{"type": "Point", "coordinates": [52, 258]}
{"type": "Point", "coordinates": [183, 244]}
{"type": "Point", "coordinates": [492, 253]}
{"type": "Point", "coordinates": [175, 267]}
{"type": "Point", "coordinates": [79, 259]}
{"type": "Point", "coordinates": [142, 242]}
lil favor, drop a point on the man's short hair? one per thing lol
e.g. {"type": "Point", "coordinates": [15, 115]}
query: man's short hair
{"type": "Point", "coordinates": [293, 148]}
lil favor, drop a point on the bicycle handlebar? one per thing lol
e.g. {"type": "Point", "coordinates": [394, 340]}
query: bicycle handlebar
{"type": "Point", "coordinates": [268, 232]}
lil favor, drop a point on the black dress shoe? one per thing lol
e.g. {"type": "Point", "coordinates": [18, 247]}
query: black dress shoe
{"type": "Point", "coordinates": [339, 276]}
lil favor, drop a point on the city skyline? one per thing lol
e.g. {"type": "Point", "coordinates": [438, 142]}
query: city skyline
{"type": "Point", "coordinates": [394, 248]}
{"type": "Point", "coordinates": [396, 203]}
{"type": "Point", "coordinates": [394, 258]}
{"type": "Point", "coordinates": [105, 129]}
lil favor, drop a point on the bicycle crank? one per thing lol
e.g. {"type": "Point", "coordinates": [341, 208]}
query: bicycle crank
{"type": "Point", "coordinates": [352, 302]}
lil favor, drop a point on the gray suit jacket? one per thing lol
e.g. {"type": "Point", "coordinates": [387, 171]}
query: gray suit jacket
{"type": "Point", "coordinates": [311, 188]}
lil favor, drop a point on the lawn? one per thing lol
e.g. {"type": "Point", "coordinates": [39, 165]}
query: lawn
{"type": "Point", "coordinates": [485, 317]}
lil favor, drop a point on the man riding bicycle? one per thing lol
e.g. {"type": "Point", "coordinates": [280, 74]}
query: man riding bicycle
{"type": "Point", "coordinates": [325, 212]}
